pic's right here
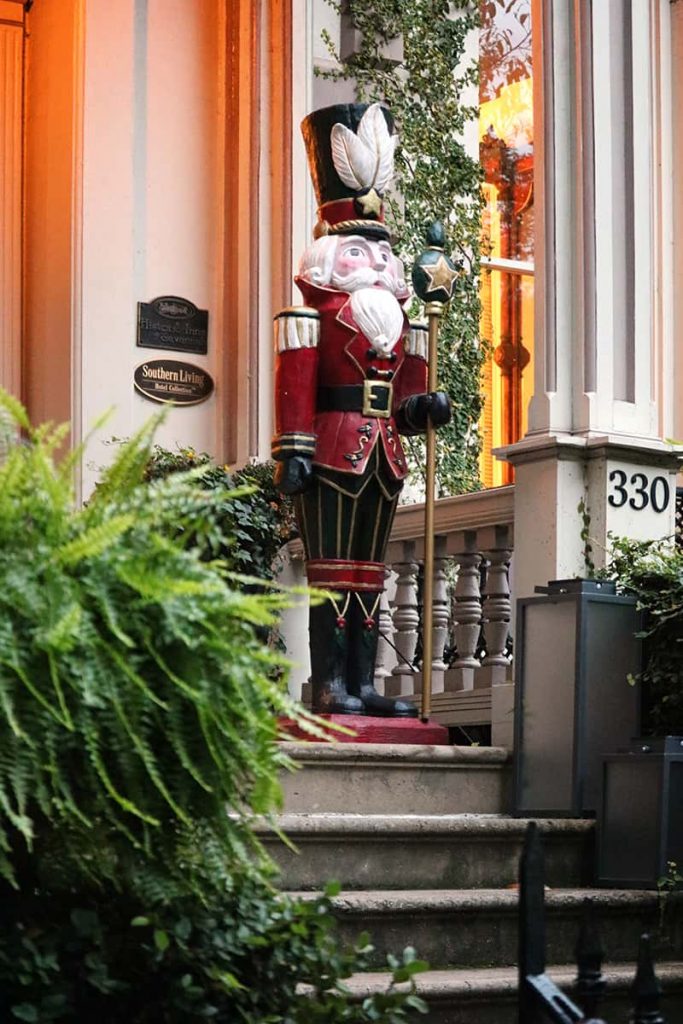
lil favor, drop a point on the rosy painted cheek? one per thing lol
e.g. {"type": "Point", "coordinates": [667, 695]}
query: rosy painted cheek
{"type": "Point", "coordinates": [347, 264]}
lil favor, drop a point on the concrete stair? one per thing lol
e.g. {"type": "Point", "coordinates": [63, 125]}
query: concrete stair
{"type": "Point", "coordinates": [489, 995]}
{"type": "Point", "coordinates": [419, 841]}
{"type": "Point", "coordinates": [374, 778]}
{"type": "Point", "coordinates": [478, 927]}
{"type": "Point", "coordinates": [403, 851]}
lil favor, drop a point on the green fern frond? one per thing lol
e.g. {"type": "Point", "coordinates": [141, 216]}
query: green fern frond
{"type": "Point", "coordinates": [35, 692]}
{"type": "Point", "coordinates": [15, 409]}
{"type": "Point", "coordinates": [94, 540]}
{"type": "Point", "coordinates": [127, 469]}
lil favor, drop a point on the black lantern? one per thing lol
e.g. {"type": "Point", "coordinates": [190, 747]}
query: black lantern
{"type": "Point", "coordinates": [641, 820]}
{"type": "Point", "coordinates": [576, 655]}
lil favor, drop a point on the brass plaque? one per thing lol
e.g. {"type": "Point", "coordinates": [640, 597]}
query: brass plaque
{"type": "Point", "coordinates": [173, 382]}
{"type": "Point", "coordinates": [173, 323]}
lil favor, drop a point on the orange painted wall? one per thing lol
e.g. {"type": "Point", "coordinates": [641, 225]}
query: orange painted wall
{"type": "Point", "coordinates": [50, 66]}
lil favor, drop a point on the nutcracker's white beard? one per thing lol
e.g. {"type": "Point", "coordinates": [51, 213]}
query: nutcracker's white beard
{"type": "Point", "coordinates": [379, 316]}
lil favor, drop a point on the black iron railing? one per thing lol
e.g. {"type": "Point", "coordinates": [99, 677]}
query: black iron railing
{"type": "Point", "coordinates": [540, 1000]}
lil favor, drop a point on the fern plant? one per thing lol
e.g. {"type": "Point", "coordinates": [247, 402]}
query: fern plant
{"type": "Point", "coordinates": [137, 706]}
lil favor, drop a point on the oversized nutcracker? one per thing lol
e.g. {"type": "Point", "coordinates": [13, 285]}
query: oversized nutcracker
{"type": "Point", "coordinates": [351, 378]}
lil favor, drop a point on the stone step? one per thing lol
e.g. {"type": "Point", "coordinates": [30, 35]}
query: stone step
{"type": "Point", "coordinates": [478, 927]}
{"type": "Point", "coordinates": [449, 851]}
{"type": "Point", "coordinates": [489, 995]}
{"type": "Point", "coordinates": [379, 778]}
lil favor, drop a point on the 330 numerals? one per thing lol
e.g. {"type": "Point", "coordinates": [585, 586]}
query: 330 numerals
{"type": "Point", "coordinates": [638, 491]}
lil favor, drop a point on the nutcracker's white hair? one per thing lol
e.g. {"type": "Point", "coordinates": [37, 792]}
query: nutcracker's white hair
{"type": "Point", "coordinates": [318, 259]}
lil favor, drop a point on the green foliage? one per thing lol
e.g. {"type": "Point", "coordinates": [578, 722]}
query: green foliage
{"type": "Point", "coordinates": [653, 572]}
{"type": "Point", "coordinates": [585, 534]}
{"type": "Point", "coordinates": [254, 956]}
{"type": "Point", "coordinates": [137, 706]}
{"type": "Point", "coordinates": [247, 528]}
{"type": "Point", "coordinates": [435, 179]}
{"type": "Point", "coordinates": [137, 729]}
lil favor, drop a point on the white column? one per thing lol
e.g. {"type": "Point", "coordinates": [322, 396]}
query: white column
{"type": "Point", "coordinates": [594, 460]}
{"type": "Point", "coordinates": [674, 129]}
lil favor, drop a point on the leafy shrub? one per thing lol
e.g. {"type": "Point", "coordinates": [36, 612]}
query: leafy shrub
{"type": "Point", "coordinates": [653, 572]}
{"type": "Point", "coordinates": [247, 529]}
{"type": "Point", "coordinates": [137, 729]}
{"type": "Point", "coordinates": [254, 956]}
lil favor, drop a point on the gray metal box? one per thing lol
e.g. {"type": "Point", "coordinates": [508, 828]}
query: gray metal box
{"type": "Point", "coordinates": [576, 649]}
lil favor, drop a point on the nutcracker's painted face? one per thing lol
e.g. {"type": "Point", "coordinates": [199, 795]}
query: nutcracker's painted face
{"type": "Point", "coordinates": [350, 262]}
{"type": "Point", "coordinates": [360, 254]}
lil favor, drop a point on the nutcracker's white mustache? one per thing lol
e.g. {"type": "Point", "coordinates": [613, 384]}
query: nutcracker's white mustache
{"type": "Point", "coordinates": [379, 316]}
{"type": "Point", "coordinates": [364, 277]}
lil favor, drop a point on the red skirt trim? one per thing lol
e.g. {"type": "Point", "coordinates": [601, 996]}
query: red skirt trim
{"type": "Point", "coordinates": [338, 574]}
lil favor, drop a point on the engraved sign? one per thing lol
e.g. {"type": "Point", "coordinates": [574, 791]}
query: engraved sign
{"type": "Point", "coordinates": [173, 323]}
{"type": "Point", "coordinates": [173, 382]}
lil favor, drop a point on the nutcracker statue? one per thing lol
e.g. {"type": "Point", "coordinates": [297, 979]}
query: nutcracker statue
{"type": "Point", "coordinates": [351, 377]}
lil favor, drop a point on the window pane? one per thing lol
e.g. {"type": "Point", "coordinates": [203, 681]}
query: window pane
{"type": "Point", "coordinates": [507, 156]}
{"type": "Point", "coordinates": [507, 324]}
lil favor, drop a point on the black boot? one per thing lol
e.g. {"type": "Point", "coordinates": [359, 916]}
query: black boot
{"type": "Point", "coordinates": [363, 637]}
{"type": "Point", "coordinates": [329, 651]}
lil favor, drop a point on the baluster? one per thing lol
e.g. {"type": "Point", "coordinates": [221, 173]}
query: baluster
{"type": "Point", "coordinates": [406, 620]}
{"type": "Point", "coordinates": [386, 629]}
{"type": "Point", "coordinates": [590, 984]}
{"type": "Point", "coordinates": [496, 608]}
{"type": "Point", "coordinates": [646, 988]}
{"type": "Point", "coordinates": [440, 617]}
{"type": "Point", "coordinates": [466, 615]}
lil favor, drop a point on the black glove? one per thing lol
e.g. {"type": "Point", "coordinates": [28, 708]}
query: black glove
{"type": "Point", "coordinates": [416, 410]}
{"type": "Point", "coordinates": [293, 475]}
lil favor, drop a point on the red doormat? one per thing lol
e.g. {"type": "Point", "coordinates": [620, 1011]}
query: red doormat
{"type": "Point", "coordinates": [367, 729]}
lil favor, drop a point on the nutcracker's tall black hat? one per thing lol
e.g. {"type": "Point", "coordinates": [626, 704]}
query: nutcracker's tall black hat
{"type": "Point", "coordinates": [350, 150]}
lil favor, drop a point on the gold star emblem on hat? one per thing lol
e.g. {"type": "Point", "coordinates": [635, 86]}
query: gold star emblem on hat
{"type": "Point", "coordinates": [441, 275]}
{"type": "Point", "coordinates": [370, 203]}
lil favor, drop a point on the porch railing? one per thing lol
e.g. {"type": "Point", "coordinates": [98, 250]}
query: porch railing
{"type": "Point", "coordinates": [540, 1001]}
{"type": "Point", "coordinates": [472, 606]}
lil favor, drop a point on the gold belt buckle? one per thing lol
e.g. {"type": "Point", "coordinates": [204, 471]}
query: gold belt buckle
{"type": "Point", "coordinates": [377, 397]}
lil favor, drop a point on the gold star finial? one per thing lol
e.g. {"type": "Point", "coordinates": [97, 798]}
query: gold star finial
{"type": "Point", "coordinates": [370, 203]}
{"type": "Point", "coordinates": [441, 275]}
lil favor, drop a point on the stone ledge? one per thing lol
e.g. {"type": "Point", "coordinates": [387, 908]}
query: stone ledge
{"type": "Point", "coordinates": [471, 826]}
{"type": "Point", "coordinates": [396, 754]}
{"type": "Point", "coordinates": [475, 983]}
{"type": "Point", "coordinates": [400, 901]}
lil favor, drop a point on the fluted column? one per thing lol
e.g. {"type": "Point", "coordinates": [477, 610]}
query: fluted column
{"type": "Point", "coordinates": [467, 615]}
{"type": "Point", "coordinates": [406, 620]}
{"type": "Point", "coordinates": [496, 609]}
{"type": "Point", "coordinates": [440, 617]}
{"type": "Point", "coordinates": [384, 648]}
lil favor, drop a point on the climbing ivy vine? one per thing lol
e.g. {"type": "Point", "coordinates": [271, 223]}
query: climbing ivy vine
{"type": "Point", "coordinates": [432, 93]}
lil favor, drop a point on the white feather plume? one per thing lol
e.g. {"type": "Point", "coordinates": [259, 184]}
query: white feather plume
{"type": "Point", "coordinates": [353, 161]}
{"type": "Point", "coordinates": [366, 159]}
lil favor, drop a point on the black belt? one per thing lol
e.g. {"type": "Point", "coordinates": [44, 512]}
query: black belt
{"type": "Point", "coordinates": [372, 398]}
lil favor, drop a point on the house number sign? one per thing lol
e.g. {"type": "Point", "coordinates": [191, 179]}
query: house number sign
{"type": "Point", "coordinates": [639, 491]}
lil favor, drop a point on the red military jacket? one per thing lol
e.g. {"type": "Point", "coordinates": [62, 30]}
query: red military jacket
{"type": "Point", "coordinates": [319, 346]}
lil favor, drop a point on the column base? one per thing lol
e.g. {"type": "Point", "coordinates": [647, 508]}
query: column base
{"type": "Point", "coordinates": [503, 715]}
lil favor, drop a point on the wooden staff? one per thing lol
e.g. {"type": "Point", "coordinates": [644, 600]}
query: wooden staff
{"type": "Point", "coordinates": [434, 276]}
